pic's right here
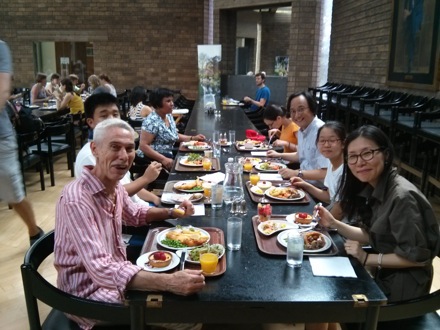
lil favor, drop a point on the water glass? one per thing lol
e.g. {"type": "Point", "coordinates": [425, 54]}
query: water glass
{"type": "Point", "coordinates": [216, 195]}
{"type": "Point", "coordinates": [215, 137]}
{"type": "Point", "coordinates": [216, 150]}
{"type": "Point", "coordinates": [233, 233]}
{"type": "Point", "coordinates": [232, 136]}
{"type": "Point", "coordinates": [295, 249]}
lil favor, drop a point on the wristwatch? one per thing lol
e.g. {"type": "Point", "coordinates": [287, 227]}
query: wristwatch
{"type": "Point", "coordinates": [300, 174]}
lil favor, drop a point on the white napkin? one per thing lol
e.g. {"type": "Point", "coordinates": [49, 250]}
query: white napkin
{"type": "Point", "coordinates": [199, 209]}
{"type": "Point", "coordinates": [332, 266]}
{"type": "Point", "coordinates": [270, 177]}
{"type": "Point", "coordinates": [259, 153]}
{"type": "Point", "coordinates": [169, 197]}
{"type": "Point", "coordinates": [214, 177]}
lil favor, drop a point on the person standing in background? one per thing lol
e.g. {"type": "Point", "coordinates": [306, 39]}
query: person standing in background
{"type": "Point", "coordinates": [105, 81]}
{"type": "Point", "coordinates": [11, 178]}
{"type": "Point", "coordinates": [263, 93]}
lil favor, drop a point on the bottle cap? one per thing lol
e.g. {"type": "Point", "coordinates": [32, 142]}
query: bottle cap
{"type": "Point", "coordinates": [230, 160]}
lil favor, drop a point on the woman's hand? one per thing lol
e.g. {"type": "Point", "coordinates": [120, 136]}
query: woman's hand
{"type": "Point", "coordinates": [199, 137]}
{"type": "Point", "coordinates": [272, 132]}
{"type": "Point", "coordinates": [326, 218]}
{"type": "Point", "coordinates": [354, 248]}
{"type": "Point", "coordinates": [298, 182]}
{"type": "Point", "coordinates": [273, 154]}
{"type": "Point", "coordinates": [167, 163]}
{"type": "Point", "coordinates": [280, 143]}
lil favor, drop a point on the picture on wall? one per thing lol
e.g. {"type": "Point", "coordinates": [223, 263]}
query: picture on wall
{"type": "Point", "coordinates": [414, 43]}
{"type": "Point", "coordinates": [209, 57]}
{"type": "Point", "coordinates": [281, 65]}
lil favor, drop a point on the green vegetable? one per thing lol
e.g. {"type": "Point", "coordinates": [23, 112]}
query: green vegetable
{"type": "Point", "coordinates": [194, 157]}
{"type": "Point", "coordinates": [173, 243]}
{"type": "Point", "coordinates": [218, 249]}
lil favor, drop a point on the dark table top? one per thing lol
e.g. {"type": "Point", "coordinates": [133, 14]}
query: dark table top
{"type": "Point", "coordinates": [256, 287]}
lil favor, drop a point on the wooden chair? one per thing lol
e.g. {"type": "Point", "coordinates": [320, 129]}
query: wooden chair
{"type": "Point", "coordinates": [28, 159]}
{"type": "Point", "coordinates": [37, 288]}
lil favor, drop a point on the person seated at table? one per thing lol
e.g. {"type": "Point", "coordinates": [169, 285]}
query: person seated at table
{"type": "Point", "coordinates": [159, 132]}
{"type": "Point", "coordinates": [282, 130]}
{"type": "Point", "coordinates": [75, 81]}
{"type": "Point", "coordinates": [89, 253]}
{"type": "Point", "coordinates": [262, 96]}
{"type": "Point", "coordinates": [393, 216]}
{"type": "Point", "coordinates": [70, 100]}
{"type": "Point", "coordinates": [38, 90]}
{"type": "Point", "coordinates": [99, 107]}
{"type": "Point", "coordinates": [313, 165]}
{"type": "Point", "coordinates": [330, 141]}
{"type": "Point", "coordinates": [94, 82]}
{"type": "Point", "coordinates": [138, 109]}
{"type": "Point", "coordinates": [105, 81]}
{"type": "Point", "coordinates": [53, 85]}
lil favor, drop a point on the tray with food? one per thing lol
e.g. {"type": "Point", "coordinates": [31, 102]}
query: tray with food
{"type": "Point", "coordinates": [194, 146]}
{"type": "Point", "coordinates": [251, 145]}
{"type": "Point", "coordinates": [316, 243]}
{"type": "Point", "coordinates": [216, 244]}
{"type": "Point", "coordinates": [276, 192]}
{"type": "Point", "coordinates": [175, 192]}
{"type": "Point", "coordinates": [193, 162]}
{"type": "Point", "coordinates": [269, 166]}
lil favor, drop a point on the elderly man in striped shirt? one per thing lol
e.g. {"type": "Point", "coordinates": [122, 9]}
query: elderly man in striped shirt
{"type": "Point", "coordinates": [90, 256]}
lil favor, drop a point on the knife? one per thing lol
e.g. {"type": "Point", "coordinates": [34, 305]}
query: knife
{"type": "Point", "coordinates": [182, 260]}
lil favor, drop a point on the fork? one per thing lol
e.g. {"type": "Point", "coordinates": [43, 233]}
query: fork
{"type": "Point", "coordinates": [316, 217]}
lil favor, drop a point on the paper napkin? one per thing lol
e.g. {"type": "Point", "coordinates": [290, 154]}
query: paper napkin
{"type": "Point", "coordinates": [332, 266]}
{"type": "Point", "coordinates": [214, 177]}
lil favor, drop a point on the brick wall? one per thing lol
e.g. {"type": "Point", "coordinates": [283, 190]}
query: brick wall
{"type": "Point", "coordinates": [152, 43]}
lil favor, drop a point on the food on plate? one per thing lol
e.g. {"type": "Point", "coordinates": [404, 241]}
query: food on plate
{"type": "Point", "coordinates": [313, 240]}
{"type": "Point", "coordinates": [269, 227]}
{"type": "Point", "coordinates": [253, 160]}
{"type": "Point", "coordinates": [193, 159]}
{"type": "Point", "coordinates": [245, 141]}
{"type": "Point", "coordinates": [160, 259]}
{"type": "Point", "coordinates": [190, 185]}
{"type": "Point", "coordinates": [195, 143]}
{"type": "Point", "coordinates": [268, 166]}
{"type": "Point", "coordinates": [303, 218]}
{"type": "Point", "coordinates": [189, 236]}
{"type": "Point", "coordinates": [264, 212]}
{"type": "Point", "coordinates": [257, 191]}
{"type": "Point", "coordinates": [284, 192]}
{"type": "Point", "coordinates": [218, 249]}
{"type": "Point", "coordinates": [264, 185]}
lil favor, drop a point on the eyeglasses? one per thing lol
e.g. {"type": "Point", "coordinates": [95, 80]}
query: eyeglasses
{"type": "Point", "coordinates": [332, 141]}
{"type": "Point", "coordinates": [365, 155]}
{"type": "Point", "coordinates": [293, 113]}
{"type": "Point", "coordinates": [270, 125]}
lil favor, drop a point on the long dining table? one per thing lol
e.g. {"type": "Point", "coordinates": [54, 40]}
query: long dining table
{"type": "Point", "coordinates": [258, 287]}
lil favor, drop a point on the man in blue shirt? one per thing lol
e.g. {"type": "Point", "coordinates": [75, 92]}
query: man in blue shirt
{"type": "Point", "coordinates": [263, 93]}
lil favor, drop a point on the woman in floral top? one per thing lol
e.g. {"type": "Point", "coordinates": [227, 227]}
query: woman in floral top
{"type": "Point", "coordinates": [159, 132]}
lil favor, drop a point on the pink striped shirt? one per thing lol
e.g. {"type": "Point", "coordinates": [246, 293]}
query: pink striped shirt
{"type": "Point", "coordinates": [90, 256]}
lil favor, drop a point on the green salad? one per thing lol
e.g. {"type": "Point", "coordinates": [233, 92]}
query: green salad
{"type": "Point", "coordinates": [218, 249]}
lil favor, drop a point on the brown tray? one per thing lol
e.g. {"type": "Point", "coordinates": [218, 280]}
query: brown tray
{"type": "Point", "coordinates": [181, 168]}
{"type": "Point", "coordinates": [217, 236]}
{"type": "Point", "coordinates": [270, 245]}
{"type": "Point", "coordinates": [169, 187]}
{"type": "Point", "coordinates": [257, 199]}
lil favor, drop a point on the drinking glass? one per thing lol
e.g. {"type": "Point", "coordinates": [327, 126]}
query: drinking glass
{"type": "Point", "coordinates": [295, 249]}
{"type": "Point", "coordinates": [247, 166]}
{"type": "Point", "coordinates": [206, 163]}
{"type": "Point", "coordinates": [207, 190]}
{"type": "Point", "coordinates": [254, 178]}
{"type": "Point", "coordinates": [215, 137]}
{"type": "Point", "coordinates": [233, 233]}
{"type": "Point", "coordinates": [208, 262]}
{"type": "Point", "coordinates": [232, 136]}
{"type": "Point", "coordinates": [216, 195]}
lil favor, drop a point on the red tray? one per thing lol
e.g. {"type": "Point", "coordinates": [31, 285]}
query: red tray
{"type": "Point", "coordinates": [270, 245]}
{"type": "Point", "coordinates": [257, 199]}
{"type": "Point", "coordinates": [217, 236]}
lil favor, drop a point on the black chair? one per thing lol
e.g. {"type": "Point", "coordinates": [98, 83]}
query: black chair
{"type": "Point", "coordinates": [49, 148]}
{"type": "Point", "coordinates": [28, 159]}
{"type": "Point", "coordinates": [36, 287]}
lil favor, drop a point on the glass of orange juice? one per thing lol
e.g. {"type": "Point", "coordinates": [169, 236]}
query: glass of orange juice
{"type": "Point", "coordinates": [209, 262]}
{"type": "Point", "coordinates": [206, 163]}
{"type": "Point", "coordinates": [247, 166]}
{"type": "Point", "coordinates": [254, 178]}
{"type": "Point", "coordinates": [207, 189]}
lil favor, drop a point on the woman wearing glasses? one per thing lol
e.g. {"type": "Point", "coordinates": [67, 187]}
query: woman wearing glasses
{"type": "Point", "coordinates": [394, 217]}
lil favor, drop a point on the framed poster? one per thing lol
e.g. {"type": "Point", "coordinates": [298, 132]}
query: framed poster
{"type": "Point", "coordinates": [414, 44]}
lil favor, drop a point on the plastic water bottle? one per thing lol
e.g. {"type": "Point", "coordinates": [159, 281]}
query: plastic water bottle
{"type": "Point", "coordinates": [232, 185]}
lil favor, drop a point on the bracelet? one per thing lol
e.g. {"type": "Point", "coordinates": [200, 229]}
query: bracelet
{"type": "Point", "coordinates": [379, 261]}
{"type": "Point", "coordinates": [365, 260]}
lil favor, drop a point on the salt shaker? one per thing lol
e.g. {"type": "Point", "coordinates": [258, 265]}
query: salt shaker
{"type": "Point", "coordinates": [243, 207]}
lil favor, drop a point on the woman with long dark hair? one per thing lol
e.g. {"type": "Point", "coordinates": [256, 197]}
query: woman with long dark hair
{"type": "Point", "coordinates": [70, 100]}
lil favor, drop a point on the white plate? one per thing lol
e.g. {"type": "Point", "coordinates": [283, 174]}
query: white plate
{"type": "Point", "coordinates": [177, 184]}
{"type": "Point", "coordinates": [203, 147]}
{"type": "Point", "coordinates": [143, 259]}
{"type": "Point", "coordinates": [227, 144]}
{"type": "Point", "coordinates": [254, 191]}
{"type": "Point", "coordinates": [258, 167]}
{"type": "Point", "coordinates": [188, 259]}
{"type": "Point", "coordinates": [302, 194]}
{"type": "Point", "coordinates": [33, 106]}
{"type": "Point", "coordinates": [281, 238]}
{"type": "Point", "coordinates": [179, 198]}
{"type": "Point", "coordinates": [162, 235]}
{"type": "Point", "coordinates": [291, 219]}
{"type": "Point", "coordinates": [278, 225]}
{"type": "Point", "coordinates": [182, 162]}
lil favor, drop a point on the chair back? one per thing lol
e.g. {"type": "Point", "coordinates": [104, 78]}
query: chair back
{"type": "Point", "coordinates": [36, 287]}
